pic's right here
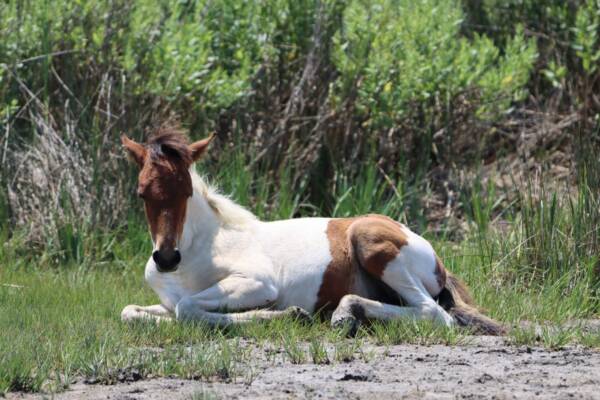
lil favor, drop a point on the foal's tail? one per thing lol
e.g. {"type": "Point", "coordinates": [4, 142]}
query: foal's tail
{"type": "Point", "coordinates": [455, 299]}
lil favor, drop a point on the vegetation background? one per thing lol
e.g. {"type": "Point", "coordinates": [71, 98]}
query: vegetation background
{"type": "Point", "coordinates": [476, 122]}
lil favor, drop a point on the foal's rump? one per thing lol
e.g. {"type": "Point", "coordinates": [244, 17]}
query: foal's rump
{"type": "Point", "coordinates": [388, 251]}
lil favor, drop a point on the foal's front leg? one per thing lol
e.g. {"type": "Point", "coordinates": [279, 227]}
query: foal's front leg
{"type": "Point", "coordinates": [234, 293]}
{"type": "Point", "coordinates": [156, 312]}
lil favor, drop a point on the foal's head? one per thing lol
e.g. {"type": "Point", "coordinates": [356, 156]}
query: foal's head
{"type": "Point", "coordinates": [165, 184]}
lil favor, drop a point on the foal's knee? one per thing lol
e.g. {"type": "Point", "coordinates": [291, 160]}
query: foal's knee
{"type": "Point", "coordinates": [351, 304]}
{"type": "Point", "coordinates": [349, 301]}
{"type": "Point", "coordinates": [185, 309]}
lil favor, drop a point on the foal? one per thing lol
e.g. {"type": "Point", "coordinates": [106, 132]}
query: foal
{"type": "Point", "coordinates": [214, 261]}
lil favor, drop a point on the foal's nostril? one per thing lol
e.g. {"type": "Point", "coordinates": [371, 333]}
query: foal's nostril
{"type": "Point", "coordinates": [177, 257]}
{"type": "Point", "coordinates": [156, 257]}
{"type": "Point", "coordinates": [166, 261]}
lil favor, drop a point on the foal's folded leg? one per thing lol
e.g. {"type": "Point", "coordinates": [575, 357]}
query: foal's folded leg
{"type": "Point", "coordinates": [156, 312]}
{"type": "Point", "coordinates": [353, 309]}
{"type": "Point", "coordinates": [238, 318]}
{"type": "Point", "coordinates": [237, 294]}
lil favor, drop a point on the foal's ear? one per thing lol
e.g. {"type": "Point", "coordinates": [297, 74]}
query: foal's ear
{"type": "Point", "coordinates": [199, 148]}
{"type": "Point", "coordinates": [135, 150]}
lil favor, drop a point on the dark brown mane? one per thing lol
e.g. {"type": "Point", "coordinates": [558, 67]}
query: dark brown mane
{"type": "Point", "coordinates": [170, 139]}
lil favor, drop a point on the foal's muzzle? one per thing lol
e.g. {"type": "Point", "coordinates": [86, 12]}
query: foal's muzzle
{"type": "Point", "coordinates": [166, 260]}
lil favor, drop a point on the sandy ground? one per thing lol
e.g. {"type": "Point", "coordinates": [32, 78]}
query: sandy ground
{"type": "Point", "coordinates": [484, 368]}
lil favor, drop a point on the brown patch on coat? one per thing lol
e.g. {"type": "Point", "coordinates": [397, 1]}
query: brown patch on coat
{"type": "Point", "coordinates": [339, 276]}
{"type": "Point", "coordinates": [368, 242]}
{"type": "Point", "coordinates": [377, 240]}
{"type": "Point", "coordinates": [440, 272]}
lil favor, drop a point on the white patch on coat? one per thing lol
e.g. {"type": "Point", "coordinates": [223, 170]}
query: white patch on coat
{"type": "Point", "coordinates": [299, 253]}
{"type": "Point", "coordinates": [419, 257]}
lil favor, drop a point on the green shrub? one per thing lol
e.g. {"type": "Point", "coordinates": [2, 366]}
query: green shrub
{"type": "Point", "coordinates": [335, 106]}
{"type": "Point", "coordinates": [394, 53]}
{"type": "Point", "coordinates": [566, 33]}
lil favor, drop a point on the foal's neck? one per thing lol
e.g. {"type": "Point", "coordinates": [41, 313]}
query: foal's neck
{"type": "Point", "coordinates": [200, 227]}
{"type": "Point", "coordinates": [210, 213]}
{"type": "Point", "coordinates": [200, 218]}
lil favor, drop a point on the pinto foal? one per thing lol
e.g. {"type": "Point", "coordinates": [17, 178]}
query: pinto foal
{"type": "Point", "coordinates": [214, 261]}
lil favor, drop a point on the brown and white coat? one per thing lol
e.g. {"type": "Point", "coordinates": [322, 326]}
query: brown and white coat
{"type": "Point", "coordinates": [214, 261]}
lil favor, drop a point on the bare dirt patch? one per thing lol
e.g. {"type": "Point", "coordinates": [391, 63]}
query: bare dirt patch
{"type": "Point", "coordinates": [484, 368]}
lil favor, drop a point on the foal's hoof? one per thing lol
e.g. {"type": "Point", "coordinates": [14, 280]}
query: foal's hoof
{"type": "Point", "coordinates": [130, 313]}
{"type": "Point", "coordinates": [347, 324]}
{"type": "Point", "coordinates": [299, 314]}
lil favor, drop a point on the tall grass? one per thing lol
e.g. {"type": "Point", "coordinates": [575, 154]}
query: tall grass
{"type": "Point", "coordinates": [63, 322]}
{"type": "Point", "coordinates": [316, 89]}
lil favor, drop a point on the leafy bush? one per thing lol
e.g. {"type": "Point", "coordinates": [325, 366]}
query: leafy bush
{"type": "Point", "coordinates": [394, 53]}
{"type": "Point", "coordinates": [317, 95]}
{"type": "Point", "coordinates": [567, 33]}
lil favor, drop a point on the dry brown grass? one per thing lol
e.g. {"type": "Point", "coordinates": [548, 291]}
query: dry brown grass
{"type": "Point", "coordinates": [55, 180]}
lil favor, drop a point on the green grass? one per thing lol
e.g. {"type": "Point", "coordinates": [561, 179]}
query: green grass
{"type": "Point", "coordinates": [61, 323]}
{"type": "Point", "coordinates": [60, 309]}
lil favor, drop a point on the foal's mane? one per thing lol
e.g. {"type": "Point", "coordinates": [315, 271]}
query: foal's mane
{"type": "Point", "coordinates": [227, 211]}
{"type": "Point", "coordinates": [171, 139]}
